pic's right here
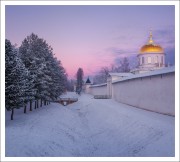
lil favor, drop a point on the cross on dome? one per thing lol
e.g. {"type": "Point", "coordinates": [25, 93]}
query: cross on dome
{"type": "Point", "coordinates": [150, 38]}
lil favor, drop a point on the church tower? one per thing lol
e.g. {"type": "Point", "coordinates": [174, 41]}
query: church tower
{"type": "Point", "coordinates": [87, 85]}
{"type": "Point", "coordinates": [151, 56]}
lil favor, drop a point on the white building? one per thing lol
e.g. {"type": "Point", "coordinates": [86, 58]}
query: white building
{"type": "Point", "coordinates": [151, 57]}
{"type": "Point", "coordinates": [87, 85]}
{"type": "Point", "coordinates": [114, 77]}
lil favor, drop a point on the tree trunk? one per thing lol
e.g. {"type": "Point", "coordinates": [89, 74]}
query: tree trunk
{"type": "Point", "coordinates": [41, 102]}
{"type": "Point", "coordinates": [30, 106]}
{"type": "Point", "coordinates": [12, 113]}
{"type": "Point", "coordinates": [44, 102]}
{"type": "Point", "coordinates": [25, 109]}
{"type": "Point", "coordinates": [35, 105]}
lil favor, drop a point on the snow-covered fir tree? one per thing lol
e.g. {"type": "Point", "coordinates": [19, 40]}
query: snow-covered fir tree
{"type": "Point", "coordinates": [48, 74]}
{"type": "Point", "coordinates": [79, 77]}
{"type": "Point", "coordinates": [59, 79]}
{"type": "Point", "coordinates": [121, 67]}
{"type": "Point", "coordinates": [16, 83]}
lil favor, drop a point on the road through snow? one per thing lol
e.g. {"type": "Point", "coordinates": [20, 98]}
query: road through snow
{"type": "Point", "coordinates": [89, 128]}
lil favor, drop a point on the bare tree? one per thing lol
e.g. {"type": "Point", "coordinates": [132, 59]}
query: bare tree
{"type": "Point", "coordinates": [123, 66]}
{"type": "Point", "coordinates": [101, 77]}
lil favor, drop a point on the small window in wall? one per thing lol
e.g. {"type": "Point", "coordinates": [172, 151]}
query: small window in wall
{"type": "Point", "coordinates": [149, 60]}
{"type": "Point", "coordinates": [139, 61]}
{"type": "Point", "coordinates": [162, 59]}
{"type": "Point", "coordinates": [156, 59]}
{"type": "Point", "coordinates": [142, 60]}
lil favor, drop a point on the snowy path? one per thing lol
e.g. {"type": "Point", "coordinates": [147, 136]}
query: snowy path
{"type": "Point", "coordinates": [90, 127]}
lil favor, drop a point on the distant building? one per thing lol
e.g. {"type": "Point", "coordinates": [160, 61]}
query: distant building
{"type": "Point", "coordinates": [151, 57]}
{"type": "Point", "coordinates": [88, 81]}
{"type": "Point", "coordinates": [87, 85]}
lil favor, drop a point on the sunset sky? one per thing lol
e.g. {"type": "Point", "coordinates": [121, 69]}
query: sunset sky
{"type": "Point", "coordinates": [93, 36]}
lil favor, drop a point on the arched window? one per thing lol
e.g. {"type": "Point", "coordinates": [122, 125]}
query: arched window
{"type": "Point", "coordinates": [149, 60]}
{"type": "Point", "coordinates": [162, 59]}
{"type": "Point", "coordinates": [139, 61]}
{"type": "Point", "coordinates": [142, 60]}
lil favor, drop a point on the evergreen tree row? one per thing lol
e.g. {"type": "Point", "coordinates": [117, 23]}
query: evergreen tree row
{"type": "Point", "coordinates": [32, 74]}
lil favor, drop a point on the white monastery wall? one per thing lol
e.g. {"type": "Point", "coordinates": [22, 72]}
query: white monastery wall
{"type": "Point", "coordinates": [98, 90]}
{"type": "Point", "coordinates": [154, 93]}
{"type": "Point", "coordinates": [87, 89]}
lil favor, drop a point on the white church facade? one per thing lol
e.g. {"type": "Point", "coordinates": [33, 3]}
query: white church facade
{"type": "Point", "coordinates": [151, 86]}
{"type": "Point", "coordinates": [151, 57]}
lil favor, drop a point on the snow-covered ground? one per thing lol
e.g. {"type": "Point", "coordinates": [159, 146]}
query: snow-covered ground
{"type": "Point", "coordinates": [69, 95]}
{"type": "Point", "coordinates": [88, 128]}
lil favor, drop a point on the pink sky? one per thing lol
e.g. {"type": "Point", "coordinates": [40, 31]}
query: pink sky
{"type": "Point", "coordinates": [92, 36]}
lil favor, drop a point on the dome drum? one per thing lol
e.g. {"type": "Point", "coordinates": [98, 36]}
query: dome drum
{"type": "Point", "coordinates": [151, 59]}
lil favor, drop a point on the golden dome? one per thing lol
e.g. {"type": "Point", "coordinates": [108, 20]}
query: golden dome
{"type": "Point", "coordinates": [150, 47]}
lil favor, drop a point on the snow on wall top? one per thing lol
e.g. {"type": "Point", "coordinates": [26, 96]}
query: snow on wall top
{"type": "Point", "coordinates": [121, 74]}
{"type": "Point", "coordinates": [98, 85]}
{"type": "Point", "coordinates": [151, 73]}
{"type": "Point", "coordinates": [133, 76]}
